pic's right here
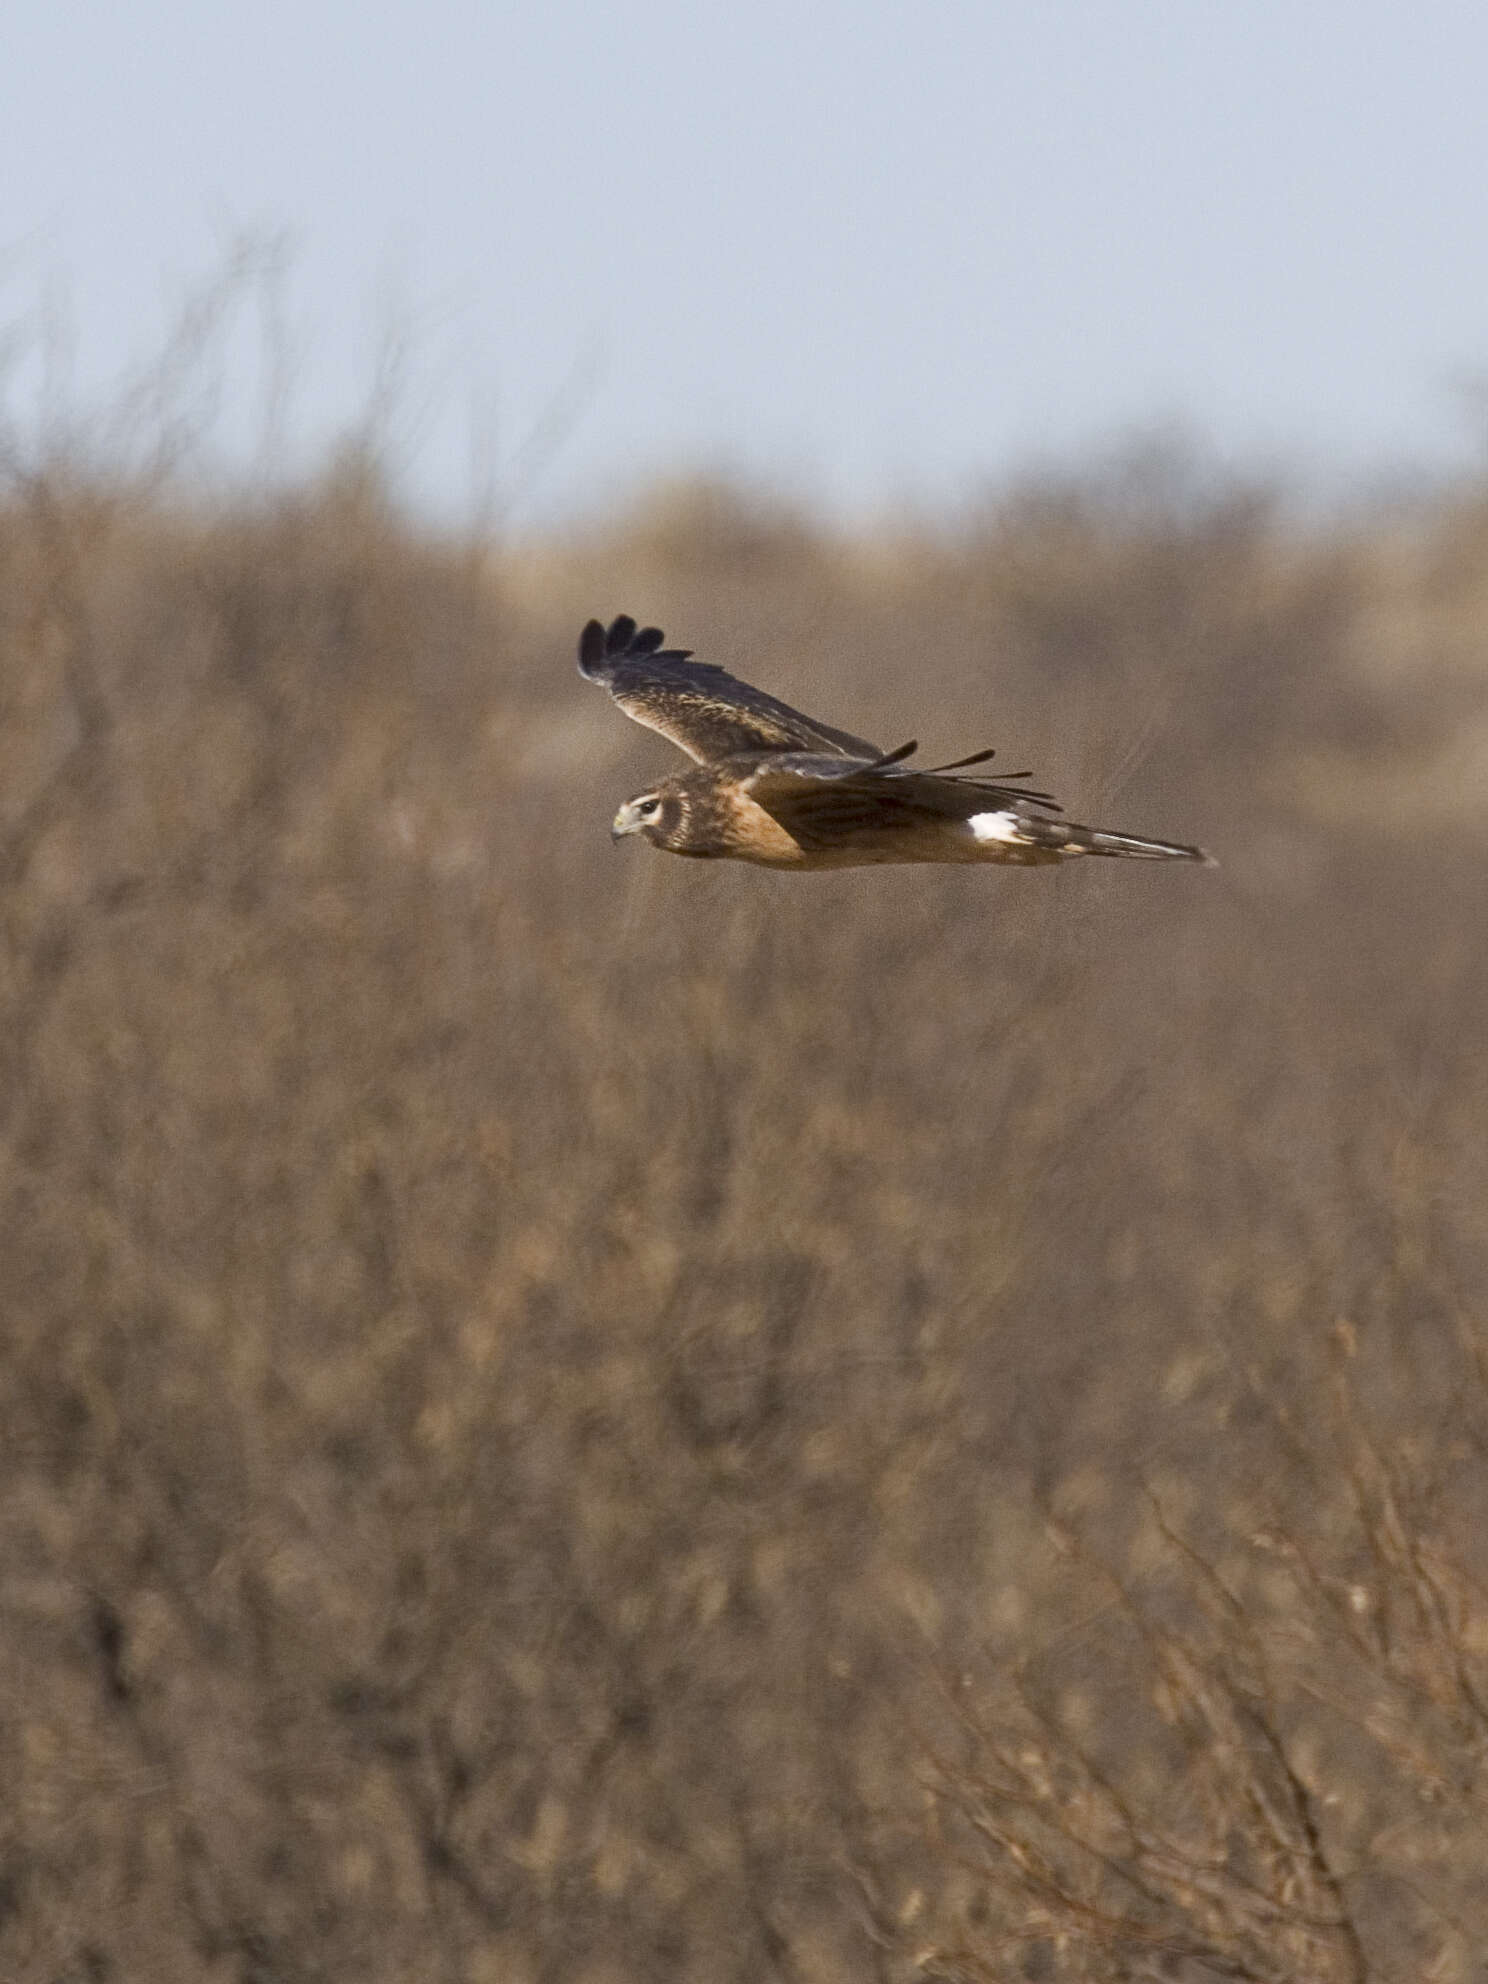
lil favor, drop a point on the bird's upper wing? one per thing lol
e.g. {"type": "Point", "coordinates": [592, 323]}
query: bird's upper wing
{"type": "Point", "coordinates": [818, 799]}
{"type": "Point", "coordinates": [708, 713]}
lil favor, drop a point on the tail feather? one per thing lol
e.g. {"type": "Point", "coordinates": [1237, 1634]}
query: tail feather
{"type": "Point", "coordinates": [1055, 840]}
{"type": "Point", "coordinates": [1092, 840]}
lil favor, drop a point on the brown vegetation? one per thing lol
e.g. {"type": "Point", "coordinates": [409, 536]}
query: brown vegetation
{"type": "Point", "coordinates": [570, 1416]}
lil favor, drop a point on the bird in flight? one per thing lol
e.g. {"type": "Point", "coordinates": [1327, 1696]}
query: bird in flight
{"type": "Point", "coordinates": [778, 788]}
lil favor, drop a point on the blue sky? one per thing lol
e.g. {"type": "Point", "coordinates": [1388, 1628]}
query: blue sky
{"type": "Point", "coordinates": [880, 253]}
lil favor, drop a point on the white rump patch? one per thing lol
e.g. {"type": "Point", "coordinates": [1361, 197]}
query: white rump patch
{"type": "Point", "coordinates": [996, 826]}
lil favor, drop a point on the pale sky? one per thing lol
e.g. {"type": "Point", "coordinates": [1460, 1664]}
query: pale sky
{"type": "Point", "coordinates": [882, 253]}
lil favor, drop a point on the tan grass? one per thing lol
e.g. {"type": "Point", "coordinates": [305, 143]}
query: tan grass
{"type": "Point", "coordinates": [526, 1369]}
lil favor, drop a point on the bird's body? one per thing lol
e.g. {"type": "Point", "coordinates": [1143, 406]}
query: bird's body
{"type": "Point", "coordinates": [777, 788]}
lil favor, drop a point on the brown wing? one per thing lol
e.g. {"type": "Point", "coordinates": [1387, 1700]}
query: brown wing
{"type": "Point", "coordinates": [819, 800]}
{"type": "Point", "coordinates": [708, 713]}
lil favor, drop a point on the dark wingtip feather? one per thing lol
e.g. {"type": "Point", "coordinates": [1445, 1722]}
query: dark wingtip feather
{"type": "Point", "coordinates": [976, 758]}
{"type": "Point", "coordinates": [887, 758]}
{"type": "Point", "coordinates": [600, 646]}
{"type": "Point", "coordinates": [1045, 799]}
{"type": "Point", "coordinates": [591, 648]}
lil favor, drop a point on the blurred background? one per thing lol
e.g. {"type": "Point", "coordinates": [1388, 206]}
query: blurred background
{"type": "Point", "coordinates": [569, 1416]}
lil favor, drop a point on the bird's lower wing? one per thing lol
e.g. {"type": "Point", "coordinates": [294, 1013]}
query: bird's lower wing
{"type": "Point", "coordinates": [820, 800]}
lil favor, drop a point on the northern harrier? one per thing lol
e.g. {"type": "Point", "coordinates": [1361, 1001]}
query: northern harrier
{"type": "Point", "coordinates": [778, 788]}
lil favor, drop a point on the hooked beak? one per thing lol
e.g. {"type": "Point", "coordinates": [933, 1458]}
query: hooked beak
{"type": "Point", "coordinates": [624, 823]}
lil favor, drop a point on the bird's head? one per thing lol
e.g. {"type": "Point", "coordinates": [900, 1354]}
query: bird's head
{"type": "Point", "coordinates": [659, 817]}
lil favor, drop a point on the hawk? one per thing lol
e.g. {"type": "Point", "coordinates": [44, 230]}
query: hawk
{"type": "Point", "coordinates": [778, 788]}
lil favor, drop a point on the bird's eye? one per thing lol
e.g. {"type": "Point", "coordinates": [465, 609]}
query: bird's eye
{"type": "Point", "coordinates": [649, 809]}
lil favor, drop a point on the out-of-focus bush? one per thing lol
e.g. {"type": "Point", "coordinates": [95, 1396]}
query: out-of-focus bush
{"type": "Point", "coordinates": [528, 1367]}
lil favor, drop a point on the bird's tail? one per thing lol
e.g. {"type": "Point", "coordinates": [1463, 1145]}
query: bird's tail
{"type": "Point", "coordinates": [1091, 840]}
{"type": "Point", "coordinates": [1060, 839]}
